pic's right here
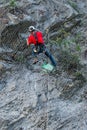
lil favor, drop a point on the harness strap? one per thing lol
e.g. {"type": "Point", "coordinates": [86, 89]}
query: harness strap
{"type": "Point", "coordinates": [36, 38]}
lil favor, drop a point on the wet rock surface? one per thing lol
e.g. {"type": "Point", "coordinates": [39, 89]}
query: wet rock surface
{"type": "Point", "coordinates": [31, 98]}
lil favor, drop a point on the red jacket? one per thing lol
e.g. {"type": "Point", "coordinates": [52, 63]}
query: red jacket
{"type": "Point", "coordinates": [34, 38]}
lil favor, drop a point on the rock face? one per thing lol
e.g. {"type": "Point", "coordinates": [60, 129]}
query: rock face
{"type": "Point", "coordinates": [47, 16]}
{"type": "Point", "coordinates": [43, 14]}
{"type": "Point", "coordinates": [31, 98]}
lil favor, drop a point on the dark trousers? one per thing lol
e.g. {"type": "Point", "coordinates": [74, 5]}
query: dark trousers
{"type": "Point", "coordinates": [41, 48]}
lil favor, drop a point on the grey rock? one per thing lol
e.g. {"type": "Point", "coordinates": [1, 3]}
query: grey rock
{"type": "Point", "coordinates": [31, 99]}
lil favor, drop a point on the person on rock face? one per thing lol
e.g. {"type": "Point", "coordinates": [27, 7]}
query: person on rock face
{"type": "Point", "coordinates": [36, 38]}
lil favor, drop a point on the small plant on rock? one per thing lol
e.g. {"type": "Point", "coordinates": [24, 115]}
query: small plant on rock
{"type": "Point", "coordinates": [12, 3]}
{"type": "Point", "coordinates": [69, 61]}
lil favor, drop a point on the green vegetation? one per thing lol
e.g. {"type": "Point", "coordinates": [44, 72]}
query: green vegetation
{"type": "Point", "coordinates": [77, 38]}
{"type": "Point", "coordinates": [69, 50]}
{"type": "Point", "coordinates": [63, 43]}
{"type": "Point", "coordinates": [78, 48]}
{"type": "Point", "coordinates": [79, 76]}
{"type": "Point", "coordinates": [69, 61]}
{"type": "Point", "coordinates": [73, 5]}
{"type": "Point", "coordinates": [12, 3]}
{"type": "Point", "coordinates": [20, 58]}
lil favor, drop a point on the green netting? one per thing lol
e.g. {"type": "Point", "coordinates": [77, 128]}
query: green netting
{"type": "Point", "coordinates": [47, 67]}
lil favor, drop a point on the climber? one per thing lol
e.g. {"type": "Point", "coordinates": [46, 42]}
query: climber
{"type": "Point", "coordinates": [36, 38]}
